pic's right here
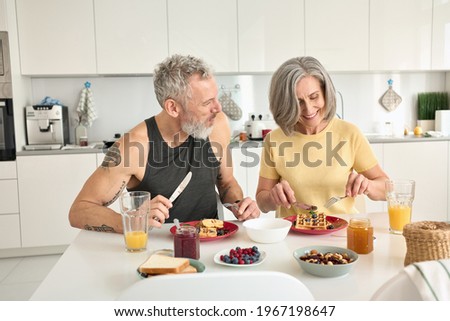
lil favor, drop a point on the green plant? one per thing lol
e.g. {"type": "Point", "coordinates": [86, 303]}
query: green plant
{"type": "Point", "coordinates": [429, 102]}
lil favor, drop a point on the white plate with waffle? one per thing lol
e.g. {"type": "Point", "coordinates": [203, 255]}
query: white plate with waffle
{"type": "Point", "coordinates": [331, 225]}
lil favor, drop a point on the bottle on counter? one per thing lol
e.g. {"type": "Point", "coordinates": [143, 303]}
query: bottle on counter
{"type": "Point", "coordinates": [360, 235]}
{"type": "Point", "coordinates": [81, 131]}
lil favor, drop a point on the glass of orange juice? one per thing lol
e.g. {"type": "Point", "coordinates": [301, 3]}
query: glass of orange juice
{"type": "Point", "coordinates": [135, 208]}
{"type": "Point", "coordinates": [399, 197]}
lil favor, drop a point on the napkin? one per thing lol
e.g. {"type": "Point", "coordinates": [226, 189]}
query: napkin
{"type": "Point", "coordinates": [432, 279]}
{"type": "Point", "coordinates": [86, 107]}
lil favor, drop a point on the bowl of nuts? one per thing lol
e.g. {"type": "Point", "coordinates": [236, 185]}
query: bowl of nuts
{"type": "Point", "coordinates": [326, 261]}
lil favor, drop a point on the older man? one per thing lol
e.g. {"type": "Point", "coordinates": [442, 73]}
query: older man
{"type": "Point", "coordinates": [191, 133]}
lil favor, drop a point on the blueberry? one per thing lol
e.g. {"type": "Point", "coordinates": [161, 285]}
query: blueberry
{"type": "Point", "coordinates": [255, 248]}
{"type": "Point", "coordinates": [235, 260]}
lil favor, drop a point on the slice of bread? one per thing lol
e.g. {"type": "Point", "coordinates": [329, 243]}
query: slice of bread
{"type": "Point", "coordinates": [189, 269]}
{"type": "Point", "coordinates": [162, 264]}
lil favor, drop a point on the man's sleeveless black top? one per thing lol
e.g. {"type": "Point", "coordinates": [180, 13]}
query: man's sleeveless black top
{"type": "Point", "coordinates": [166, 167]}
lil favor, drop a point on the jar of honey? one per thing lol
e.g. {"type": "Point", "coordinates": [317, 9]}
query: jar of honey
{"type": "Point", "coordinates": [360, 235]}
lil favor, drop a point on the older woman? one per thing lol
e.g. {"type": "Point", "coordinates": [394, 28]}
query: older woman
{"type": "Point", "coordinates": [313, 155]}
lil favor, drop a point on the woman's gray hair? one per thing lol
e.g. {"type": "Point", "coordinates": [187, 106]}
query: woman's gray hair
{"type": "Point", "coordinates": [283, 100]}
{"type": "Point", "coordinates": [171, 78]}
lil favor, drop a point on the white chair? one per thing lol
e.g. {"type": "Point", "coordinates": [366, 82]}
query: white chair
{"type": "Point", "coordinates": [220, 286]}
{"type": "Point", "coordinates": [398, 288]}
{"type": "Point", "coordinates": [426, 280]}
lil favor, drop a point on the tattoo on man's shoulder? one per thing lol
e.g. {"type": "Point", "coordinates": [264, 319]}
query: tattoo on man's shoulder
{"type": "Point", "coordinates": [116, 196]}
{"type": "Point", "coordinates": [102, 228]}
{"type": "Point", "coordinates": [112, 156]}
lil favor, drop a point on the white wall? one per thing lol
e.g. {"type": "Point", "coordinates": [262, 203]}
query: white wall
{"type": "Point", "coordinates": [122, 102]}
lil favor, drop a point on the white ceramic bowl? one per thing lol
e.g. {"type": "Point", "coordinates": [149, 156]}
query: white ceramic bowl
{"type": "Point", "coordinates": [267, 230]}
{"type": "Point", "coordinates": [327, 271]}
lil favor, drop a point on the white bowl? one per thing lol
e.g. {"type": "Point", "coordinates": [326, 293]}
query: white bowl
{"type": "Point", "coordinates": [326, 271]}
{"type": "Point", "coordinates": [267, 230]}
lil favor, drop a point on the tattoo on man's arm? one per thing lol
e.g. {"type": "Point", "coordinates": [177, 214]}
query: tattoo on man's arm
{"type": "Point", "coordinates": [102, 228]}
{"type": "Point", "coordinates": [112, 157]}
{"type": "Point", "coordinates": [224, 193]}
{"type": "Point", "coordinates": [116, 196]}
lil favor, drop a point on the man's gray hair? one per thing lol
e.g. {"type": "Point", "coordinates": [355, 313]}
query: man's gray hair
{"type": "Point", "coordinates": [283, 101]}
{"type": "Point", "coordinates": [171, 78]}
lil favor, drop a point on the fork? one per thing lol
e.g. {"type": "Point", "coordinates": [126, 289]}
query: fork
{"type": "Point", "coordinates": [333, 200]}
{"type": "Point", "coordinates": [231, 205]}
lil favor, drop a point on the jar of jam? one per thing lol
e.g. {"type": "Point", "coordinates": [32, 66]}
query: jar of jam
{"type": "Point", "coordinates": [186, 242]}
{"type": "Point", "coordinates": [360, 235]}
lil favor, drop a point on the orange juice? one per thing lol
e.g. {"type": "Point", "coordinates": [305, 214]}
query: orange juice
{"type": "Point", "coordinates": [399, 215]}
{"type": "Point", "coordinates": [136, 240]}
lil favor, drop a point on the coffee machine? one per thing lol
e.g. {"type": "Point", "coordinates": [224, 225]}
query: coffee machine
{"type": "Point", "coordinates": [47, 127]}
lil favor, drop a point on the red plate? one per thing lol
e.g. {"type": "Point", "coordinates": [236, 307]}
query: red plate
{"type": "Point", "coordinates": [337, 222]}
{"type": "Point", "coordinates": [232, 228]}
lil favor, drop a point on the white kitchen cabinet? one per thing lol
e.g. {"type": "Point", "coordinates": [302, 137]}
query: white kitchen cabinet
{"type": "Point", "coordinates": [9, 196]}
{"type": "Point", "coordinates": [376, 206]}
{"type": "Point", "coordinates": [206, 29]}
{"type": "Point", "coordinates": [252, 164]}
{"type": "Point", "coordinates": [3, 24]}
{"type": "Point", "coordinates": [56, 37]}
{"type": "Point", "coordinates": [9, 206]}
{"type": "Point", "coordinates": [131, 35]}
{"type": "Point", "coordinates": [400, 34]}
{"type": "Point", "coordinates": [239, 171]}
{"type": "Point", "coordinates": [427, 164]}
{"type": "Point", "coordinates": [9, 231]}
{"type": "Point", "coordinates": [337, 33]}
{"type": "Point", "coordinates": [440, 59]}
{"type": "Point", "coordinates": [270, 32]}
{"type": "Point", "coordinates": [48, 184]}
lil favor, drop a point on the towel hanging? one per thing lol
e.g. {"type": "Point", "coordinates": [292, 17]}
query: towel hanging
{"type": "Point", "coordinates": [390, 99]}
{"type": "Point", "coordinates": [229, 107]}
{"type": "Point", "coordinates": [86, 106]}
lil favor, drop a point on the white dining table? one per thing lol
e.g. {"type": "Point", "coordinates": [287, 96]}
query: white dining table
{"type": "Point", "coordinates": [97, 267]}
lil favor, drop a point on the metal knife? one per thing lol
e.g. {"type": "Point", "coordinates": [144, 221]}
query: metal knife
{"type": "Point", "coordinates": [181, 187]}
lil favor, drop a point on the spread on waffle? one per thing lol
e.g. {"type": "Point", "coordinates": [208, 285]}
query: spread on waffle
{"type": "Point", "coordinates": [313, 221]}
{"type": "Point", "coordinates": [210, 228]}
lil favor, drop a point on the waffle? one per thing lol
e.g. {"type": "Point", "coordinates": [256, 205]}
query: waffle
{"type": "Point", "coordinates": [209, 227]}
{"type": "Point", "coordinates": [207, 232]}
{"type": "Point", "coordinates": [316, 221]}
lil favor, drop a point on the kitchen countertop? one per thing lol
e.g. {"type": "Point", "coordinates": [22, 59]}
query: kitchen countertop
{"type": "Point", "coordinates": [94, 148]}
{"type": "Point", "coordinates": [97, 267]}
{"type": "Point", "coordinates": [373, 139]}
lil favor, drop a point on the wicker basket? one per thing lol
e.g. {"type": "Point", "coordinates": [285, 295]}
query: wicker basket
{"type": "Point", "coordinates": [426, 241]}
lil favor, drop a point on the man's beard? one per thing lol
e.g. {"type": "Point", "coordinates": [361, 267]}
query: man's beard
{"type": "Point", "coordinates": [195, 128]}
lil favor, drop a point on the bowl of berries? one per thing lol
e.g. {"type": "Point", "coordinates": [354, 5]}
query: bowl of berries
{"type": "Point", "coordinates": [240, 257]}
{"type": "Point", "coordinates": [267, 230]}
{"type": "Point", "coordinates": [326, 261]}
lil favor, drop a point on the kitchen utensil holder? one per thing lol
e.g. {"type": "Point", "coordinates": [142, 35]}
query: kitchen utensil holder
{"type": "Point", "coordinates": [426, 241]}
